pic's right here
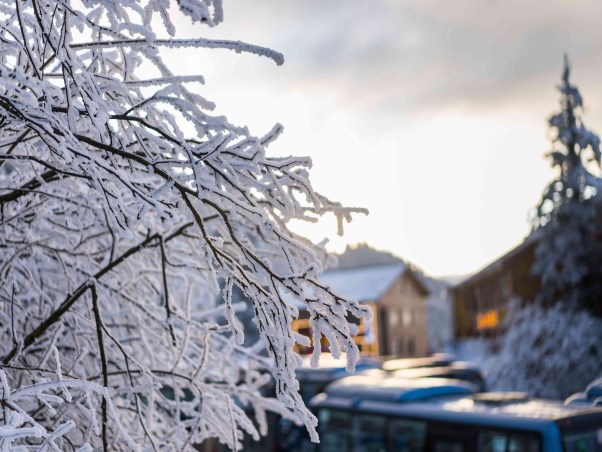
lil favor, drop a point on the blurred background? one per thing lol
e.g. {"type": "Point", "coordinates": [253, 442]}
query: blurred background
{"type": "Point", "coordinates": [431, 114]}
{"type": "Point", "coordinates": [434, 116]}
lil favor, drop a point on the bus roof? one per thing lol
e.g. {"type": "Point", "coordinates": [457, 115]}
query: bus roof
{"type": "Point", "coordinates": [440, 399]}
{"type": "Point", "coordinates": [379, 385]}
{"type": "Point", "coordinates": [331, 368]}
{"type": "Point", "coordinates": [436, 360]}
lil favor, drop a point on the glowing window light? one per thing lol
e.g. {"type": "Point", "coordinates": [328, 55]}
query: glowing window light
{"type": "Point", "coordinates": [487, 320]}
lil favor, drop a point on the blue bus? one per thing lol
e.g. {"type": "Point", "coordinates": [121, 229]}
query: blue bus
{"type": "Point", "coordinates": [380, 412]}
{"type": "Point", "coordinates": [312, 381]}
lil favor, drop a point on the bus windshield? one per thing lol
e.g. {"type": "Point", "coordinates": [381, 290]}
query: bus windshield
{"type": "Point", "coordinates": [583, 441]}
{"type": "Point", "coordinates": [582, 433]}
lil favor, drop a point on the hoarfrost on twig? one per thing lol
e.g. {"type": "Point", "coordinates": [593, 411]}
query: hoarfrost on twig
{"type": "Point", "coordinates": [132, 219]}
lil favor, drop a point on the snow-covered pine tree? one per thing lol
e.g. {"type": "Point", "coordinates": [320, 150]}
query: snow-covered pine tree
{"type": "Point", "coordinates": [549, 352]}
{"type": "Point", "coordinates": [568, 258]}
{"type": "Point", "coordinates": [125, 206]}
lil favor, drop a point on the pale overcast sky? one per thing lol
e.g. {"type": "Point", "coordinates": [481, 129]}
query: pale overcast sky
{"type": "Point", "coordinates": [432, 114]}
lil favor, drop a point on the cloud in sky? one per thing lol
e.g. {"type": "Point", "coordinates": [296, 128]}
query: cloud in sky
{"type": "Point", "coordinates": [439, 51]}
{"type": "Point", "coordinates": [434, 111]}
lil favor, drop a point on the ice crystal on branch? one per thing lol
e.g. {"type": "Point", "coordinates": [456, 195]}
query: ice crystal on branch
{"type": "Point", "coordinates": [126, 210]}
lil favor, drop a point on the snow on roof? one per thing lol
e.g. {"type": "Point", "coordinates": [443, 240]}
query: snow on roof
{"type": "Point", "coordinates": [363, 283]}
{"type": "Point", "coordinates": [535, 409]}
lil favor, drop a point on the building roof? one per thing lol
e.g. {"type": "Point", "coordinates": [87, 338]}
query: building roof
{"type": "Point", "coordinates": [363, 283]}
{"type": "Point", "coordinates": [498, 263]}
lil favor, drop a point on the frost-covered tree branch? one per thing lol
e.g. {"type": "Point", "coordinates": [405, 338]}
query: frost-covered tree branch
{"type": "Point", "coordinates": [127, 212]}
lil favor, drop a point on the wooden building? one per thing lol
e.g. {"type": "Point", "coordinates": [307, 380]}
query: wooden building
{"type": "Point", "coordinates": [481, 302]}
{"type": "Point", "coordinates": [397, 298]}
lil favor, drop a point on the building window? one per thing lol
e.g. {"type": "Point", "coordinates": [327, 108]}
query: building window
{"type": "Point", "coordinates": [487, 320]}
{"type": "Point", "coordinates": [407, 317]}
{"type": "Point", "coordinates": [393, 318]}
{"type": "Point", "coordinates": [367, 337]}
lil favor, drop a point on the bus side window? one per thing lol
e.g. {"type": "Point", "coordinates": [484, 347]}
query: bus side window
{"type": "Point", "coordinates": [492, 441]}
{"type": "Point", "coordinates": [407, 435]}
{"type": "Point", "coordinates": [447, 437]}
{"type": "Point", "coordinates": [370, 433]}
{"type": "Point", "coordinates": [504, 441]}
{"type": "Point", "coordinates": [527, 442]}
{"type": "Point", "coordinates": [334, 430]}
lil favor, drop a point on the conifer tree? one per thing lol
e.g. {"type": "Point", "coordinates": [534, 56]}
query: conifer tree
{"type": "Point", "coordinates": [568, 257]}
